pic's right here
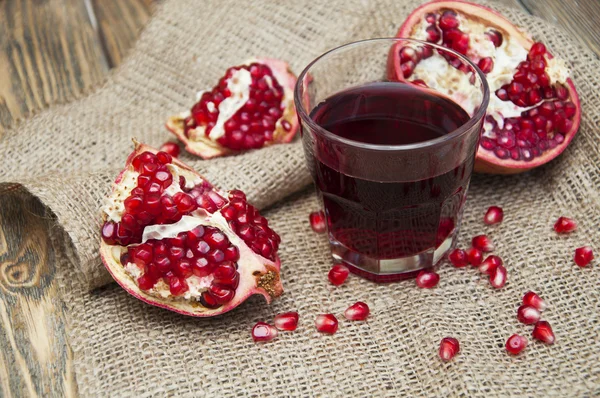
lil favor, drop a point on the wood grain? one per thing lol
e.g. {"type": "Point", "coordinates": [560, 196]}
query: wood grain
{"type": "Point", "coordinates": [119, 25]}
{"type": "Point", "coordinates": [49, 53]}
{"type": "Point", "coordinates": [35, 357]}
{"type": "Point", "coordinates": [580, 18]}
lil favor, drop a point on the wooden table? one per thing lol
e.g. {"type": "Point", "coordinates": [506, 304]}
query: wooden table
{"type": "Point", "coordinates": [53, 51]}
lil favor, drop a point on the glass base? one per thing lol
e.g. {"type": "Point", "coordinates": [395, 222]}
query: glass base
{"type": "Point", "coordinates": [389, 270]}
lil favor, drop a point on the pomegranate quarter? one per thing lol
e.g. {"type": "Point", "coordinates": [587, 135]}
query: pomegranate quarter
{"type": "Point", "coordinates": [534, 110]}
{"type": "Point", "coordinates": [250, 107]}
{"type": "Point", "coordinates": [173, 240]}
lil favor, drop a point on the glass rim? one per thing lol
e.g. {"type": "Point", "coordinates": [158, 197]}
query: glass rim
{"type": "Point", "coordinates": [473, 120]}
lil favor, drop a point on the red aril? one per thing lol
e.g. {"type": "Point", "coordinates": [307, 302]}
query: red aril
{"type": "Point", "coordinates": [483, 243]}
{"type": "Point", "coordinates": [489, 265]}
{"type": "Point", "coordinates": [358, 311]}
{"type": "Point", "coordinates": [317, 221]}
{"type": "Point", "coordinates": [583, 256]}
{"type": "Point", "coordinates": [427, 279]}
{"type": "Point", "coordinates": [516, 344]}
{"type": "Point", "coordinates": [173, 240]}
{"type": "Point", "coordinates": [458, 258]}
{"type": "Point", "coordinates": [498, 277]}
{"type": "Point", "coordinates": [286, 321]}
{"type": "Point", "coordinates": [449, 347]}
{"type": "Point", "coordinates": [474, 256]}
{"type": "Point", "coordinates": [542, 331]}
{"type": "Point", "coordinates": [263, 332]}
{"type": "Point", "coordinates": [493, 215]}
{"type": "Point", "coordinates": [326, 323]}
{"type": "Point", "coordinates": [530, 90]}
{"type": "Point", "coordinates": [533, 300]}
{"type": "Point", "coordinates": [338, 274]}
{"type": "Point", "coordinates": [251, 107]}
{"type": "Point", "coordinates": [171, 148]}
{"type": "Point", "coordinates": [528, 315]}
{"type": "Point", "coordinates": [565, 225]}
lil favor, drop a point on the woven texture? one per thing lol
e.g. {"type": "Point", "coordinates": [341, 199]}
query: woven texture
{"type": "Point", "coordinates": [68, 156]}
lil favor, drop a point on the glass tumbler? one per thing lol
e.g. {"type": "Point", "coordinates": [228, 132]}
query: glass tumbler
{"type": "Point", "coordinates": [392, 193]}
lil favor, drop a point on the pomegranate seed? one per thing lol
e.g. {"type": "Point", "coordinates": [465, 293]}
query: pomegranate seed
{"type": "Point", "coordinates": [458, 258]}
{"type": "Point", "coordinates": [483, 243]}
{"type": "Point", "coordinates": [358, 311]}
{"type": "Point", "coordinates": [498, 277]}
{"type": "Point", "coordinates": [449, 347]}
{"type": "Point", "coordinates": [495, 37]}
{"type": "Point", "coordinates": [287, 321]}
{"type": "Point", "coordinates": [494, 215]}
{"type": "Point", "coordinates": [528, 315]}
{"type": "Point", "coordinates": [583, 256]}
{"type": "Point", "coordinates": [542, 331]}
{"type": "Point", "coordinates": [338, 274]}
{"type": "Point", "coordinates": [565, 225]}
{"type": "Point", "coordinates": [474, 256]}
{"type": "Point", "coordinates": [263, 332]}
{"type": "Point", "coordinates": [317, 222]}
{"type": "Point", "coordinates": [533, 300]}
{"type": "Point", "coordinates": [326, 323]}
{"type": "Point", "coordinates": [515, 344]}
{"type": "Point", "coordinates": [536, 50]}
{"type": "Point", "coordinates": [427, 279]}
{"type": "Point", "coordinates": [486, 65]}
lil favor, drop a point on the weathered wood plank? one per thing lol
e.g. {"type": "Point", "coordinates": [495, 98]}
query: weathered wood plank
{"type": "Point", "coordinates": [580, 18]}
{"type": "Point", "coordinates": [35, 357]}
{"type": "Point", "coordinates": [49, 53]}
{"type": "Point", "coordinates": [119, 25]}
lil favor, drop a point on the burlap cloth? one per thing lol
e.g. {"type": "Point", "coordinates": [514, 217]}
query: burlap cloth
{"type": "Point", "coordinates": [67, 156]}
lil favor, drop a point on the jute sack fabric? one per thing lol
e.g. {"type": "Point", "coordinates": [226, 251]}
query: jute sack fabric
{"type": "Point", "coordinates": [68, 156]}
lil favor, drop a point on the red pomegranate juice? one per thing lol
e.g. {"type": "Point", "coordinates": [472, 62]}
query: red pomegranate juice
{"type": "Point", "coordinates": [381, 227]}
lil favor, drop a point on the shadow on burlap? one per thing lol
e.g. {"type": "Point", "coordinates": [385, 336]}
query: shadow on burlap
{"type": "Point", "coordinates": [124, 347]}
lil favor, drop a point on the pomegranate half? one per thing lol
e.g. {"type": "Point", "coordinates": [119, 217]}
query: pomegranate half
{"type": "Point", "coordinates": [173, 240]}
{"type": "Point", "coordinates": [251, 106]}
{"type": "Point", "coordinates": [534, 111]}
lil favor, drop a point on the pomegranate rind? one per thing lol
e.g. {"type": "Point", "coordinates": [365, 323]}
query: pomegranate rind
{"type": "Point", "coordinates": [208, 149]}
{"type": "Point", "coordinates": [486, 162]}
{"type": "Point", "coordinates": [266, 283]}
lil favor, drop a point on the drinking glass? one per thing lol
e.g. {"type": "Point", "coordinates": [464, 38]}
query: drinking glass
{"type": "Point", "coordinates": [392, 209]}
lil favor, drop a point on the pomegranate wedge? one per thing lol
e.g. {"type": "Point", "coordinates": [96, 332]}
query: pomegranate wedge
{"type": "Point", "coordinates": [251, 106]}
{"type": "Point", "coordinates": [173, 240]}
{"type": "Point", "coordinates": [534, 111]}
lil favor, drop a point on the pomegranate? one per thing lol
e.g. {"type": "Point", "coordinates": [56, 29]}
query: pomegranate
{"type": "Point", "coordinates": [358, 311]}
{"type": "Point", "coordinates": [498, 277]}
{"type": "Point", "coordinates": [338, 274]}
{"type": "Point", "coordinates": [263, 332]}
{"type": "Point", "coordinates": [251, 106]}
{"type": "Point", "coordinates": [528, 315]}
{"type": "Point", "coordinates": [317, 221]}
{"type": "Point", "coordinates": [458, 258]}
{"type": "Point", "coordinates": [489, 265]}
{"type": "Point", "coordinates": [173, 240]}
{"type": "Point", "coordinates": [449, 347]}
{"type": "Point", "coordinates": [483, 243]}
{"type": "Point", "coordinates": [583, 256]}
{"type": "Point", "coordinates": [532, 299]}
{"type": "Point", "coordinates": [326, 323]}
{"type": "Point", "coordinates": [171, 148]}
{"type": "Point", "coordinates": [427, 279]}
{"type": "Point", "coordinates": [474, 256]}
{"type": "Point", "coordinates": [542, 331]}
{"type": "Point", "coordinates": [534, 110]}
{"type": "Point", "coordinates": [287, 321]}
{"type": "Point", "coordinates": [494, 215]}
{"type": "Point", "coordinates": [565, 225]}
{"type": "Point", "coordinates": [515, 344]}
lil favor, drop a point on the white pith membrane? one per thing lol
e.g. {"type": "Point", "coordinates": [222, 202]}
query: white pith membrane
{"type": "Point", "coordinates": [239, 85]}
{"type": "Point", "coordinates": [249, 264]}
{"type": "Point", "coordinates": [438, 74]}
